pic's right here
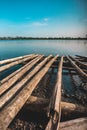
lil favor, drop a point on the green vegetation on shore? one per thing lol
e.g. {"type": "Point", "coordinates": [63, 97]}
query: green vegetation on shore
{"type": "Point", "coordinates": [43, 38]}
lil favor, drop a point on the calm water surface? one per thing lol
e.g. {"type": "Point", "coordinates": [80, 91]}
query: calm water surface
{"type": "Point", "coordinates": [16, 48]}
{"type": "Point", "coordinates": [9, 48]}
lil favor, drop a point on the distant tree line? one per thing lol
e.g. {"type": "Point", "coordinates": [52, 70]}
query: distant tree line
{"type": "Point", "coordinates": [42, 38]}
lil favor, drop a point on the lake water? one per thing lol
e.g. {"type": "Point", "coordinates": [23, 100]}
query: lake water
{"type": "Point", "coordinates": [9, 48]}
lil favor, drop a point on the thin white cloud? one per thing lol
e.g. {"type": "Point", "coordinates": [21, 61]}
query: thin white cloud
{"type": "Point", "coordinates": [39, 23]}
{"type": "Point", "coordinates": [40, 28]}
{"type": "Point", "coordinates": [46, 19]}
{"type": "Point", "coordinates": [9, 24]}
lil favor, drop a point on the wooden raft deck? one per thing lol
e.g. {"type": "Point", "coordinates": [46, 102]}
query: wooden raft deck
{"type": "Point", "coordinates": [17, 87]}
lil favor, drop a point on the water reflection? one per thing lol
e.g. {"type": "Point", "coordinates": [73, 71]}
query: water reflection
{"type": "Point", "coordinates": [62, 47]}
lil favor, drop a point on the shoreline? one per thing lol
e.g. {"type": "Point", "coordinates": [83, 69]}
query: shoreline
{"type": "Point", "coordinates": [42, 38]}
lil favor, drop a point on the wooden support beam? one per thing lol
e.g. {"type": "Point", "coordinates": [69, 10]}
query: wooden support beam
{"type": "Point", "coordinates": [79, 63]}
{"type": "Point", "coordinates": [37, 104]}
{"type": "Point", "coordinates": [75, 81]}
{"type": "Point", "coordinates": [73, 69]}
{"type": "Point", "coordinates": [5, 67]}
{"type": "Point", "coordinates": [5, 86]}
{"type": "Point", "coordinates": [79, 70]}
{"type": "Point", "coordinates": [67, 109]}
{"type": "Point", "coordinates": [8, 129]}
{"type": "Point", "coordinates": [14, 59]}
{"type": "Point", "coordinates": [76, 124]}
{"type": "Point", "coordinates": [54, 111]}
{"type": "Point", "coordinates": [68, 73]}
{"type": "Point", "coordinates": [81, 56]}
{"type": "Point", "coordinates": [11, 110]}
{"type": "Point", "coordinates": [67, 64]}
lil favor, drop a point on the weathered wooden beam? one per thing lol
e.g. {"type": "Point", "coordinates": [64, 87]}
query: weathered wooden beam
{"type": "Point", "coordinates": [8, 129]}
{"type": "Point", "coordinates": [81, 56]}
{"type": "Point", "coordinates": [5, 67]}
{"type": "Point", "coordinates": [79, 70]}
{"type": "Point", "coordinates": [82, 59]}
{"type": "Point", "coordinates": [11, 110]}
{"type": "Point", "coordinates": [6, 97]}
{"type": "Point", "coordinates": [76, 124]}
{"type": "Point", "coordinates": [79, 59]}
{"type": "Point", "coordinates": [73, 69]}
{"type": "Point", "coordinates": [67, 109]}
{"type": "Point", "coordinates": [13, 59]}
{"type": "Point", "coordinates": [78, 62]}
{"type": "Point", "coordinates": [5, 86]}
{"type": "Point", "coordinates": [54, 111]}
{"type": "Point", "coordinates": [74, 80]}
{"type": "Point", "coordinates": [67, 73]}
{"type": "Point", "coordinates": [67, 64]}
{"type": "Point", "coordinates": [71, 109]}
{"type": "Point", "coordinates": [14, 73]}
{"type": "Point", "coordinates": [36, 104]}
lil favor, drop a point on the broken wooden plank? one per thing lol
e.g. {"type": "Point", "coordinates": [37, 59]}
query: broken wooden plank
{"type": "Point", "coordinates": [54, 111]}
{"type": "Point", "coordinates": [76, 124]}
{"type": "Point", "coordinates": [5, 86]}
{"type": "Point", "coordinates": [7, 96]}
{"type": "Point", "coordinates": [5, 67]}
{"type": "Point", "coordinates": [11, 110]}
{"type": "Point", "coordinates": [13, 59]}
{"type": "Point", "coordinates": [79, 70]}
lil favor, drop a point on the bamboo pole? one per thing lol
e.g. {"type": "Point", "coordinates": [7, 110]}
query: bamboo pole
{"type": "Point", "coordinates": [76, 124]}
{"type": "Point", "coordinates": [14, 73]}
{"type": "Point", "coordinates": [9, 112]}
{"type": "Point", "coordinates": [5, 67]}
{"type": "Point", "coordinates": [13, 59]}
{"type": "Point", "coordinates": [79, 70]}
{"type": "Point", "coordinates": [6, 97]}
{"type": "Point", "coordinates": [54, 111]}
{"type": "Point", "coordinates": [5, 86]}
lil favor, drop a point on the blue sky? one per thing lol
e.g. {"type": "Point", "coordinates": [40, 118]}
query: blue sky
{"type": "Point", "coordinates": [43, 18]}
